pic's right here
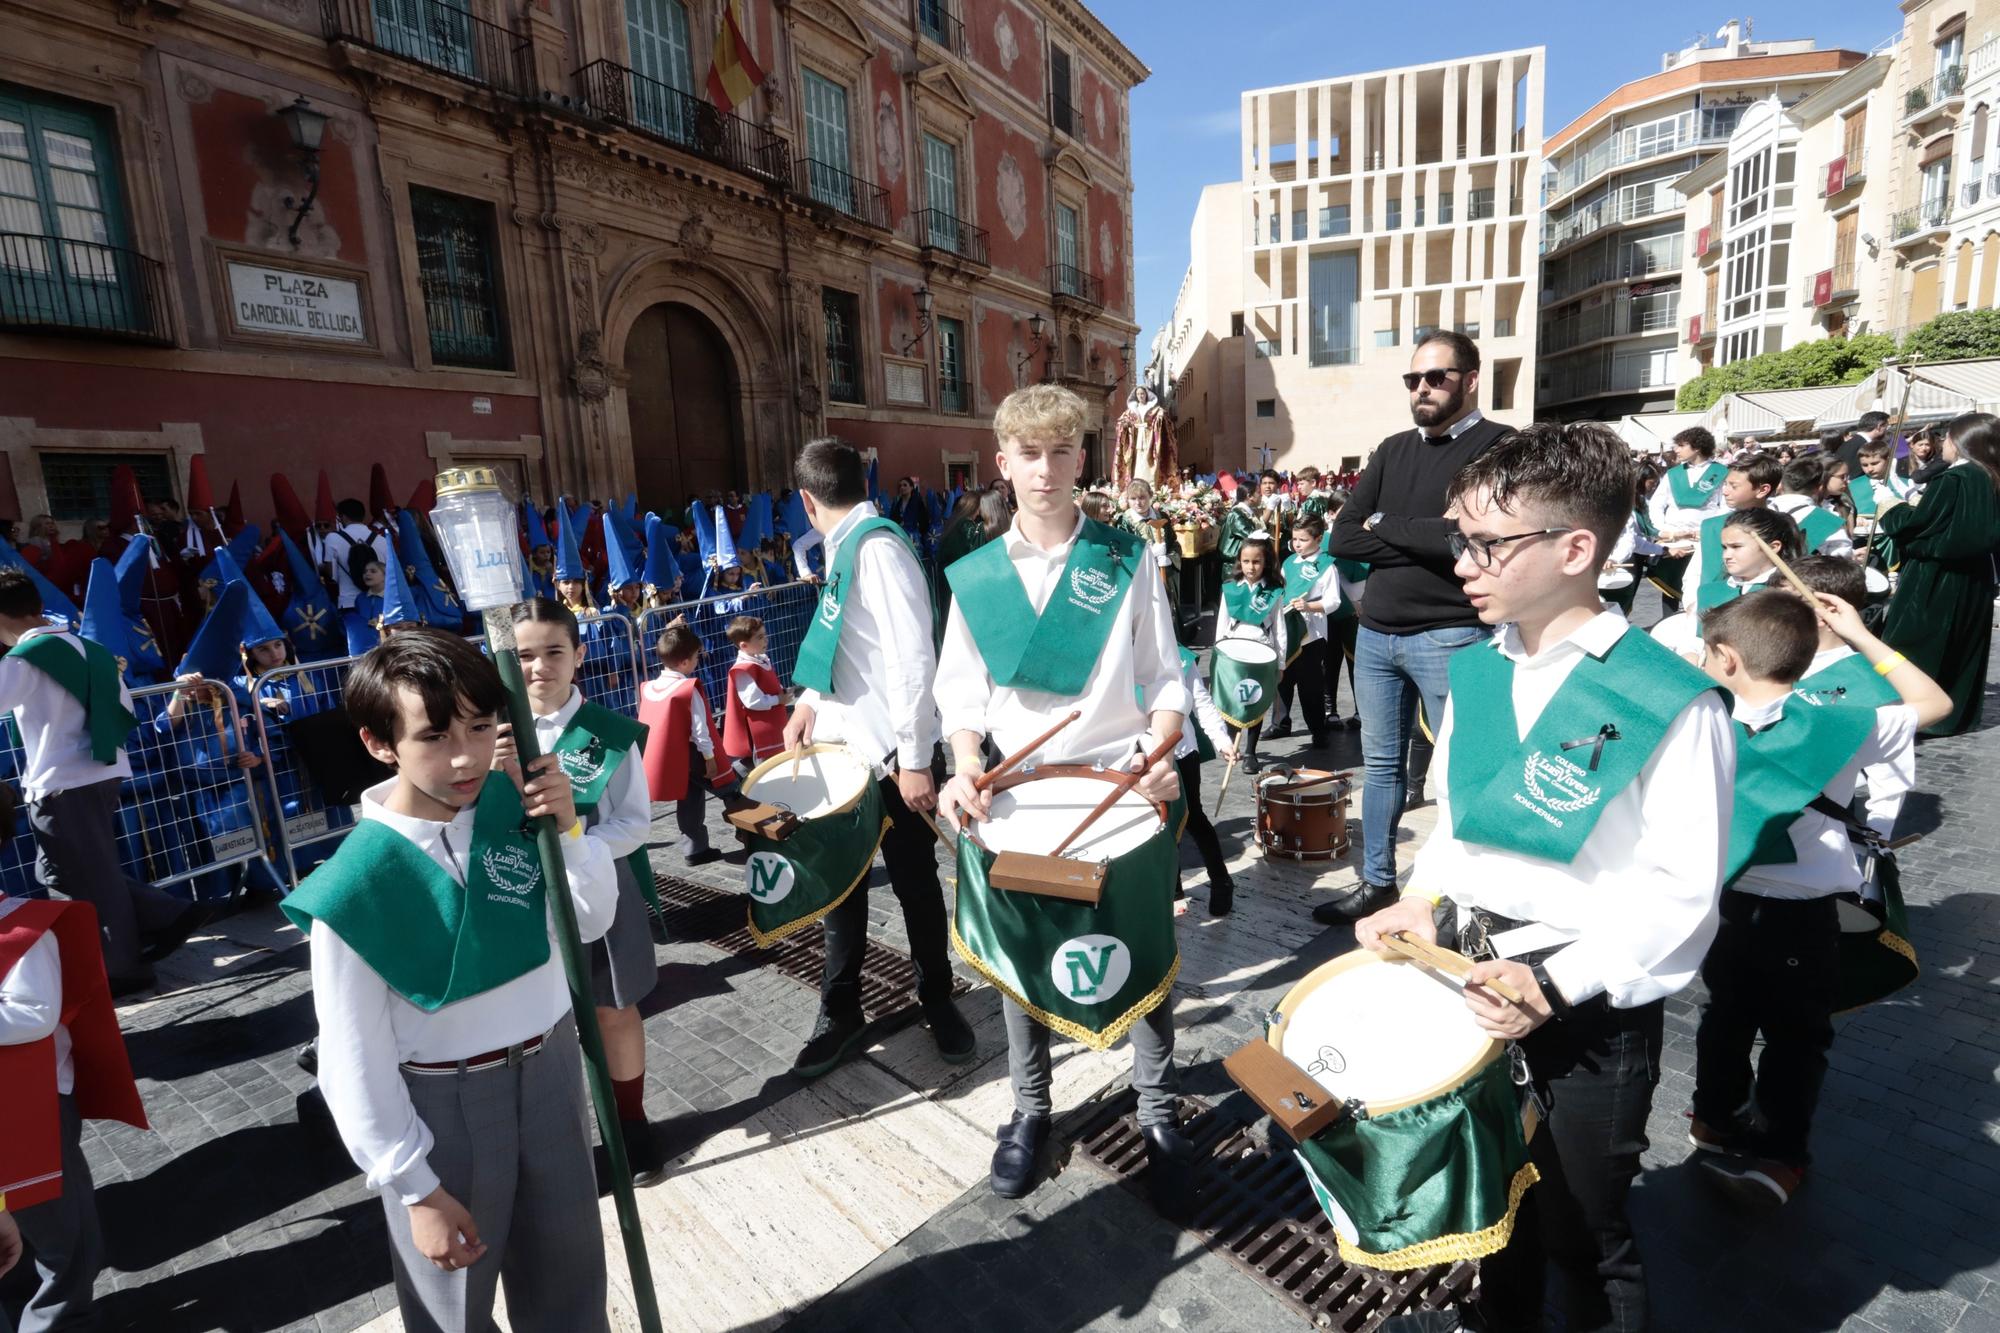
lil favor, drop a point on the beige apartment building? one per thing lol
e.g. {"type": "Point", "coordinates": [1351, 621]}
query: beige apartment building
{"type": "Point", "coordinates": [1614, 234]}
{"type": "Point", "coordinates": [1372, 208]}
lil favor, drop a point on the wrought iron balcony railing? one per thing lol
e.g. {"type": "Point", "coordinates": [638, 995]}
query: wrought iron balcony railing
{"type": "Point", "coordinates": [842, 192]}
{"type": "Point", "coordinates": [936, 21]}
{"type": "Point", "coordinates": [437, 36]}
{"type": "Point", "coordinates": [1067, 280]}
{"type": "Point", "coordinates": [616, 93]}
{"type": "Point", "coordinates": [52, 285]}
{"type": "Point", "coordinates": [939, 230]}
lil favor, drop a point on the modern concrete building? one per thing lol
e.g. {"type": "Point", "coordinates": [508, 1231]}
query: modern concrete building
{"type": "Point", "coordinates": [1372, 208]}
{"type": "Point", "coordinates": [1613, 220]}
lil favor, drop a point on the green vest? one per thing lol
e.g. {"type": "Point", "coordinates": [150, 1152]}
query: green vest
{"type": "Point", "coordinates": [1692, 491]}
{"type": "Point", "coordinates": [817, 651]}
{"type": "Point", "coordinates": [1541, 795]}
{"type": "Point", "coordinates": [1848, 681]}
{"type": "Point", "coordinates": [91, 678]}
{"type": "Point", "coordinates": [433, 940]}
{"type": "Point", "coordinates": [1780, 771]}
{"type": "Point", "coordinates": [1053, 652]}
{"type": "Point", "coordinates": [1819, 525]}
{"type": "Point", "coordinates": [591, 748]}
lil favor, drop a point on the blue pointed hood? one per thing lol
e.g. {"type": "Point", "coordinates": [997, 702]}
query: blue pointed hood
{"type": "Point", "coordinates": [399, 605]}
{"type": "Point", "coordinates": [104, 620]}
{"type": "Point", "coordinates": [757, 527]}
{"type": "Point", "coordinates": [621, 550]}
{"type": "Point", "coordinates": [531, 524]}
{"type": "Point", "coordinates": [440, 603]}
{"type": "Point", "coordinates": [133, 565]}
{"type": "Point", "coordinates": [256, 624]}
{"type": "Point", "coordinates": [632, 509]}
{"type": "Point", "coordinates": [55, 602]}
{"type": "Point", "coordinates": [661, 567]}
{"type": "Point", "coordinates": [725, 545]}
{"type": "Point", "coordinates": [792, 520]}
{"type": "Point", "coordinates": [310, 619]}
{"type": "Point", "coordinates": [875, 486]}
{"type": "Point", "coordinates": [217, 650]}
{"type": "Point", "coordinates": [569, 558]}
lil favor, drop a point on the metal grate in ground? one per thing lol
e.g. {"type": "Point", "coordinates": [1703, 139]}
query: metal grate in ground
{"type": "Point", "coordinates": [1253, 1204]}
{"type": "Point", "coordinates": [704, 914]}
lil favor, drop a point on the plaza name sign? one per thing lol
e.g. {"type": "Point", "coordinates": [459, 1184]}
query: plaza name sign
{"type": "Point", "coordinates": [294, 304]}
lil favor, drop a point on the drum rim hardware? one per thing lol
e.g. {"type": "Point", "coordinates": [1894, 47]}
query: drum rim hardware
{"type": "Point", "coordinates": [805, 752]}
{"type": "Point", "coordinates": [1030, 872]}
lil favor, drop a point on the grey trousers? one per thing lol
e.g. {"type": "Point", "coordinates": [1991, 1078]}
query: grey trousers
{"type": "Point", "coordinates": [1153, 1075]}
{"type": "Point", "coordinates": [76, 856]}
{"type": "Point", "coordinates": [513, 1145]}
{"type": "Point", "coordinates": [64, 1240]}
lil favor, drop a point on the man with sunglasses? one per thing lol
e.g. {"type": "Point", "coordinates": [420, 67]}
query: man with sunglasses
{"type": "Point", "coordinates": [1416, 614]}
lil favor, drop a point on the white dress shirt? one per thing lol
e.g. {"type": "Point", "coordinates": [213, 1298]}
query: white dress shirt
{"type": "Point", "coordinates": [802, 547]}
{"type": "Point", "coordinates": [1272, 632]}
{"type": "Point", "coordinates": [624, 817]}
{"type": "Point", "coordinates": [1796, 507]}
{"type": "Point", "coordinates": [698, 730]}
{"type": "Point", "coordinates": [31, 1002]}
{"type": "Point", "coordinates": [1203, 714]}
{"type": "Point", "coordinates": [1137, 674]}
{"type": "Point", "coordinates": [339, 552]}
{"type": "Point", "coordinates": [748, 692]}
{"type": "Point", "coordinates": [1638, 900]}
{"type": "Point", "coordinates": [55, 730]}
{"type": "Point", "coordinates": [1826, 862]}
{"type": "Point", "coordinates": [881, 699]}
{"type": "Point", "coordinates": [1668, 516]}
{"type": "Point", "coordinates": [1887, 781]}
{"type": "Point", "coordinates": [366, 1030]}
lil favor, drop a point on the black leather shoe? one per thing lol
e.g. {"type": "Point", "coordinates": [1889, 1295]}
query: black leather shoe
{"type": "Point", "coordinates": [834, 1036]}
{"type": "Point", "coordinates": [1413, 796]}
{"type": "Point", "coordinates": [1221, 894]}
{"type": "Point", "coordinates": [163, 942]}
{"type": "Point", "coordinates": [1020, 1150]}
{"type": "Point", "coordinates": [1355, 904]}
{"type": "Point", "coordinates": [953, 1034]}
{"type": "Point", "coordinates": [307, 1057]}
{"type": "Point", "coordinates": [1451, 1319]}
{"type": "Point", "coordinates": [706, 856]}
{"type": "Point", "coordinates": [643, 1157]}
{"type": "Point", "coordinates": [1278, 732]}
{"type": "Point", "coordinates": [1321, 739]}
{"type": "Point", "coordinates": [1352, 722]}
{"type": "Point", "coordinates": [1170, 1158]}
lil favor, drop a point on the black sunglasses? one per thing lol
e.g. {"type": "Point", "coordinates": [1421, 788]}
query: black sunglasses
{"type": "Point", "coordinates": [1434, 378]}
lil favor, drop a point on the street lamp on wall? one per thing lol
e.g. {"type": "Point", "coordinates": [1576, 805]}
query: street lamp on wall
{"type": "Point", "coordinates": [923, 296]}
{"type": "Point", "coordinates": [1036, 344]}
{"type": "Point", "coordinates": [306, 125]}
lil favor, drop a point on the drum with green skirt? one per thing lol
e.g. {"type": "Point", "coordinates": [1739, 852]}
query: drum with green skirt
{"type": "Point", "coordinates": [1243, 680]}
{"type": "Point", "coordinates": [796, 879]}
{"type": "Point", "coordinates": [1086, 971]}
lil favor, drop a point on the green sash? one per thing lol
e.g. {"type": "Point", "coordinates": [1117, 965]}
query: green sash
{"type": "Point", "coordinates": [1692, 492]}
{"type": "Point", "coordinates": [1849, 681]}
{"type": "Point", "coordinates": [1301, 573]}
{"type": "Point", "coordinates": [433, 940]}
{"type": "Point", "coordinates": [1237, 524]}
{"type": "Point", "coordinates": [1433, 1183]}
{"type": "Point", "coordinates": [1204, 748]}
{"type": "Point", "coordinates": [1647, 528]}
{"type": "Point", "coordinates": [1861, 490]}
{"type": "Point", "coordinates": [1712, 569]}
{"type": "Point", "coordinates": [1087, 973]}
{"type": "Point", "coordinates": [1818, 526]}
{"type": "Point", "coordinates": [814, 667]}
{"type": "Point", "coordinates": [1779, 771]}
{"type": "Point", "coordinates": [590, 750]}
{"type": "Point", "coordinates": [91, 678]}
{"type": "Point", "coordinates": [1711, 595]}
{"type": "Point", "coordinates": [1251, 605]}
{"type": "Point", "coordinates": [1588, 745]}
{"type": "Point", "coordinates": [793, 883]}
{"type": "Point", "coordinates": [1056, 651]}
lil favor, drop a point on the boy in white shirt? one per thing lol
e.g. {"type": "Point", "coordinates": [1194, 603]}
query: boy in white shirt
{"type": "Point", "coordinates": [448, 1053]}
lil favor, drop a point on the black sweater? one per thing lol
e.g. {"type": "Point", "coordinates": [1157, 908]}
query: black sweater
{"type": "Point", "coordinates": [1410, 586]}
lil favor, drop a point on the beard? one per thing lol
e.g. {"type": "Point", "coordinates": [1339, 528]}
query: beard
{"type": "Point", "coordinates": [1434, 410]}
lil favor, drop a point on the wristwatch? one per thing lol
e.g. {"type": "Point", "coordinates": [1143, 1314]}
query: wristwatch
{"type": "Point", "coordinates": [1373, 519]}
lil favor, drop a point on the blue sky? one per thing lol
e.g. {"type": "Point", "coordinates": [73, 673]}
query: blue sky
{"type": "Point", "coordinates": [1204, 55]}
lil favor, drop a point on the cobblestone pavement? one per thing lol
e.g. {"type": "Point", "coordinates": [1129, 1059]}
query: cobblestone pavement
{"type": "Point", "coordinates": [238, 1212]}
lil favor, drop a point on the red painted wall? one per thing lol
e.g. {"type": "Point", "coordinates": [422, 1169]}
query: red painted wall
{"type": "Point", "coordinates": [1026, 74]}
{"type": "Point", "coordinates": [249, 425]}
{"type": "Point", "coordinates": [896, 313]}
{"type": "Point", "coordinates": [1092, 87]}
{"type": "Point", "coordinates": [913, 450]}
{"type": "Point", "coordinates": [241, 145]}
{"type": "Point", "coordinates": [1013, 190]}
{"type": "Point", "coordinates": [1107, 210]}
{"type": "Point", "coordinates": [1001, 339]}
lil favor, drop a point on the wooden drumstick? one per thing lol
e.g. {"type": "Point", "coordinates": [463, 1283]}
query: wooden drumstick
{"type": "Point", "coordinates": [1444, 960]}
{"type": "Point", "coordinates": [1120, 784]}
{"type": "Point", "coordinates": [1799, 584]}
{"type": "Point", "coordinates": [1228, 772]}
{"type": "Point", "coordinates": [992, 774]}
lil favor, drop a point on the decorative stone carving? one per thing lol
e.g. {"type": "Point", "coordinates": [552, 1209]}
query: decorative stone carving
{"type": "Point", "coordinates": [193, 87]}
{"type": "Point", "coordinates": [1004, 41]}
{"type": "Point", "coordinates": [589, 376]}
{"type": "Point", "coordinates": [697, 242]}
{"type": "Point", "coordinates": [888, 138]}
{"type": "Point", "coordinates": [1010, 192]}
{"type": "Point", "coordinates": [808, 398]}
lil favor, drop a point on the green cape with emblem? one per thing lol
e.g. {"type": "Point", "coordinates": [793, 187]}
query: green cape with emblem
{"type": "Point", "coordinates": [1055, 651]}
{"type": "Point", "coordinates": [591, 748]}
{"type": "Point", "coordinates": [91, 678]}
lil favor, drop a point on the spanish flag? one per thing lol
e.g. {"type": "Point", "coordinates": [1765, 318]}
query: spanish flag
{"type": "Point", "coordinates": [733, 75]}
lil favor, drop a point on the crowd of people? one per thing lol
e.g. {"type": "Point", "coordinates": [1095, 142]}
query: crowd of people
{"type": "Point", "coordinates": [1618, 810]}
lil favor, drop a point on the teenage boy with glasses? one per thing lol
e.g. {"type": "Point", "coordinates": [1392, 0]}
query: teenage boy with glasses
{"type": "Point", "coordinates": [1416, 614]}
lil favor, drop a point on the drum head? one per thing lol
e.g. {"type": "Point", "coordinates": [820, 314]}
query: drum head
{"type": "Point", "coordinates": [1614, 580]}
{"type": "Point", "coordinates": [1877, 581]}
{"type": "Point", "coordinates": [1250, 652]}
{"type": "Point", "coordinates": [1034, 816]}
{"type": "Point", "coordinates": [1386, 1031]}
{"type": "Point", "coordinates": [830, 780]}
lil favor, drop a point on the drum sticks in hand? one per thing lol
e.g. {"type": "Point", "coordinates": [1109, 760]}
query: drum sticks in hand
{"type": "Point", "coordinates": [1120, 784]}
{"type": "Point", "coordinates": [993, 774]}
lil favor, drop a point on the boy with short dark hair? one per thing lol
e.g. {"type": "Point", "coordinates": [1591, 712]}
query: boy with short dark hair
{"type": "Point", "coordinates": [753, 716]}
{"type": "Point", "coordinates": [447, 1049]}
{"type": "Point", "coordinates": [1312, 593]}
{"type": "Point", "coordinates": [1775, 963]}
{"type": "Point", "coordinates": [1690, 491]}
{"type": "Point", "coordinates": [681, 758]}
{"type": "Point", "coordinates": [73, 712]}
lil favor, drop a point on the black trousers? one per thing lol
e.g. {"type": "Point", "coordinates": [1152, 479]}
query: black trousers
{"type": "Point", "coordinates": [1597, 1070]}
{"type": "Point", "coordinates": [1773, 969]}
{"type": "Point", "coordinates": [909, 851]}
{"type": "Point", "coordinates": [1340, 634]}
{"type": "Point", "coordinates": [1198, 826]}
{"type": "Point", "coordinates": [691, 810]}
{"type": "Point", "coordinates": [1306, 677]}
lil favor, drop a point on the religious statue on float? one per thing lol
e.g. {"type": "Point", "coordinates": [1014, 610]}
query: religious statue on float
{"type": "Point", "coordinates": [1145, 443]}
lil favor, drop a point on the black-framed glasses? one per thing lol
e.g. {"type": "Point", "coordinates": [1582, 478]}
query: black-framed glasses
{"type": "Point", "coordinates": [1434, 377]}
{"type": "Point", "coordinates": [1485, 550]}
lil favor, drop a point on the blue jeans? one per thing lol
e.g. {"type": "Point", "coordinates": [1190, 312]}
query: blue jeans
{"type": "Point", "coordinates": [1392, 673]}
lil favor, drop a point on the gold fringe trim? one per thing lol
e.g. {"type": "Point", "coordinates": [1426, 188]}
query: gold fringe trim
{"type": "Point", "coordinates": [1450, 1249]}
{"type": "Point", "coordinates": [1097, 1041]}
{"type": "Point", "coordinates": [1895, 943]}
{"type": "Point", "coordinates": [765, 940]}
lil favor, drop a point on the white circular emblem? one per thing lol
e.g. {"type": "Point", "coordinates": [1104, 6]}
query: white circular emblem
{"type": "Point", "coordinates": [1090, 969]}
{"type": "Point", "coordinates": [768, 877]}
{"type": "Point", "coordinates": [1248, 692]}
{"type": "Point", "coordinates": [1092, 587]}
{"type": "Point", "coordinates": [580, 766]}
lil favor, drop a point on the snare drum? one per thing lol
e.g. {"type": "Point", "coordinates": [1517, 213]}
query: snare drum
{"type": "Point", "coordinates": [797, 876]}
{"type": "Point", "coordinates": [1243, 678]}
{"type": "Point", "coordinates": [1302, 815]}
{"type": "Point", "coordinates": [1425, 1163]}
{"type": "Point", "coordinates": [1087, 971]}
{"type": "Point", "coordinates": [1614, 580]}
{"type": "Point", "coordinates": [1876, 958]}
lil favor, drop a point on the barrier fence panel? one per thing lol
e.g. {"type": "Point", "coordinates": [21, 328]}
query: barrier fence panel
{"type": "Point", "coordinates": [610, 673]}
{"type": "Point", "coordinates": [305, 825]}
{"type": "Point", "coordinates": [191, 813]}
{"type": "Point", "coordinates": [786, 610]}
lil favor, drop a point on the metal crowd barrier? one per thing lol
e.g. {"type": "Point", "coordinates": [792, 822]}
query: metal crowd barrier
{"type": "Point", "coordinates": [786, 610]}
{"type": "Point", "coordinates": [188, 815]}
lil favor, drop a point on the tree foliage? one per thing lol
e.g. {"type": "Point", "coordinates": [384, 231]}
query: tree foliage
{"type": "Point", "coordinates": [1808, 365]}
{"type": "Point", "coordinates": [1955, 335]}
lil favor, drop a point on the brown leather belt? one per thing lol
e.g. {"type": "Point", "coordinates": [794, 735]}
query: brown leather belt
{"type": "Point", "coordinates": [507, 1055]}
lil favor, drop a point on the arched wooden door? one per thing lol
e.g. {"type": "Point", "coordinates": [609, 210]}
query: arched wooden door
{"type": "Point", "coordinates": [682, 394]}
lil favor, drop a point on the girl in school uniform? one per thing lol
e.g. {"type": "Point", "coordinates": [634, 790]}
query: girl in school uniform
{"type": "Point", "coordinates": [1252, 607]}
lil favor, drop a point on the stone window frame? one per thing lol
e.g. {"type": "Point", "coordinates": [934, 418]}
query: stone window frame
{"type": "Point", "coordinates": [399, 177]}
{"type": "Point", "coordinates": [23, 441]}
{"type": "Point", "coordinates": [941, 106]}
{"type": "Point", "coordinates": [1070, 182]}
{"type": "Point", "coordinates": [968, 459]}
{"type": "Point", "coordinates": [827, 37]}
{"type": "Point", "coordinates": [953, 303]}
